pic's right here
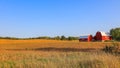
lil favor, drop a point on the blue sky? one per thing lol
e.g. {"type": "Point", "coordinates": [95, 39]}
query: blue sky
{"type": "Point", "coordinates": [32, 18]}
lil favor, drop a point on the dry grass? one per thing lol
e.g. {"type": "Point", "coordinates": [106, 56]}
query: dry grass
{"type": "Point", "coordinates": [40, 59]}
{"type": "Point", "coordinates": [55, 54]}
{"type": "Point", "coordinates": [31, 44]}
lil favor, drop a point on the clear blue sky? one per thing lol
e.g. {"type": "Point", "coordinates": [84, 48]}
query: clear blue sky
{"type": "Point", "coordinates": [32, 18]}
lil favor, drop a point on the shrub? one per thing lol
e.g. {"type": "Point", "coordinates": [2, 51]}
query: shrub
{"type": "Point", "coordinates": [113, 48]}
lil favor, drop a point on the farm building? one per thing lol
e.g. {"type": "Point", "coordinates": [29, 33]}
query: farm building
{"type": "Point", "coordinates": [102, 36]}
{"type": "Point", "coordinates": [86, 38]}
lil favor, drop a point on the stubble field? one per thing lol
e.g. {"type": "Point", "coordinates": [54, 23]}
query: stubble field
{"type": "Point", "coordinates": [55, 54]}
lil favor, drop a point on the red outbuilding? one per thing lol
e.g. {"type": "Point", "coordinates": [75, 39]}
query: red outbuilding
{"type": "Point", "coordinates": [102, 36]}
{"type": "Point", "coordinates": [87, 38]}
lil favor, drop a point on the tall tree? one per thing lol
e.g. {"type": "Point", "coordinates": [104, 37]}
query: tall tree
{"type": "Point", "coordinates": [115, 33]}
{"type": "Point", "coordinates": [63, 37]}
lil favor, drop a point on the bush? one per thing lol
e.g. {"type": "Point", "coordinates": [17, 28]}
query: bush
{"type": "Point", "coordinates": [113, 48]}
{"type": "Point", "coordinates": [109, 41]}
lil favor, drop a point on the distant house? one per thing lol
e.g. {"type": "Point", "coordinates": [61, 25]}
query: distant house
{"type": "Point", "coordinates": [87, 38]}
{"type": "Point", "coordinates": [102, 36]}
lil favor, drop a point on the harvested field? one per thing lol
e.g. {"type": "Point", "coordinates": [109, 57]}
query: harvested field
{"type": "Point", "coordinates": [49, 44]}
{"type": "Point", "coordinates": [55, 54]}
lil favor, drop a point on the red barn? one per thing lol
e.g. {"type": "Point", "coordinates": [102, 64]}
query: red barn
{"type": "Point", "coordinates": [86, 38]}
{"type": "Point", "coordinates": [102, 36]}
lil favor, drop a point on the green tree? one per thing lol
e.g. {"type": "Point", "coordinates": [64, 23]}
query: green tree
{"type": "Point", "coordinates": [115, 34]}
{"type": "Point", "coordinates": [63, 37]}
{"type": "Point", "coordinates": [57, 38]}
{"type": "Point", "coordinates": [72, 38]}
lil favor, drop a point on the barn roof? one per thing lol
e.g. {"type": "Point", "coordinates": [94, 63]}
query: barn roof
{"type": "Point", "coordinates": [104, 33]}
{"type": "Point", "coordinates": [85, 36]}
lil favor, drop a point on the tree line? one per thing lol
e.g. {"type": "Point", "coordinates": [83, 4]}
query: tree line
{"type": "Point", "coordinates": [44, 37]}
{"type": "Point", "coordinates": [114, 32]}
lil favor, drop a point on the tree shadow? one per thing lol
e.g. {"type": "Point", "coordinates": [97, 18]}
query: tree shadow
{"type": "Point", "coordinates": [65, 49]}
{"type": "Point", "coordinates": [50, 49]}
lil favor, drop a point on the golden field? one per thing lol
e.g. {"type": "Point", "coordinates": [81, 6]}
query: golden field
{"type": "Point", "coordinates": [55, 54]}
{"type": "Point", "coordinates": [33, 44]}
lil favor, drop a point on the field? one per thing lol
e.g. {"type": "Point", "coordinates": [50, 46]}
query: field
{"type": "Point", "coordinates": [55, 54]}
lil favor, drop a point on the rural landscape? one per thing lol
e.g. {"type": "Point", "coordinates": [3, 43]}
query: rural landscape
{"type": "Point", "coordinates": [52, 53]}
{"type": "Point", "coordinates": [55, 54]}
{"type": "Point", "coordinates": [59, 34]}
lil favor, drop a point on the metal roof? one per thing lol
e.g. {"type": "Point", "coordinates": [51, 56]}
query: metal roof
{"type": "Point", "coordinates": [85, 36]}
{"type": "Point", "coordinates": [104, 33]}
